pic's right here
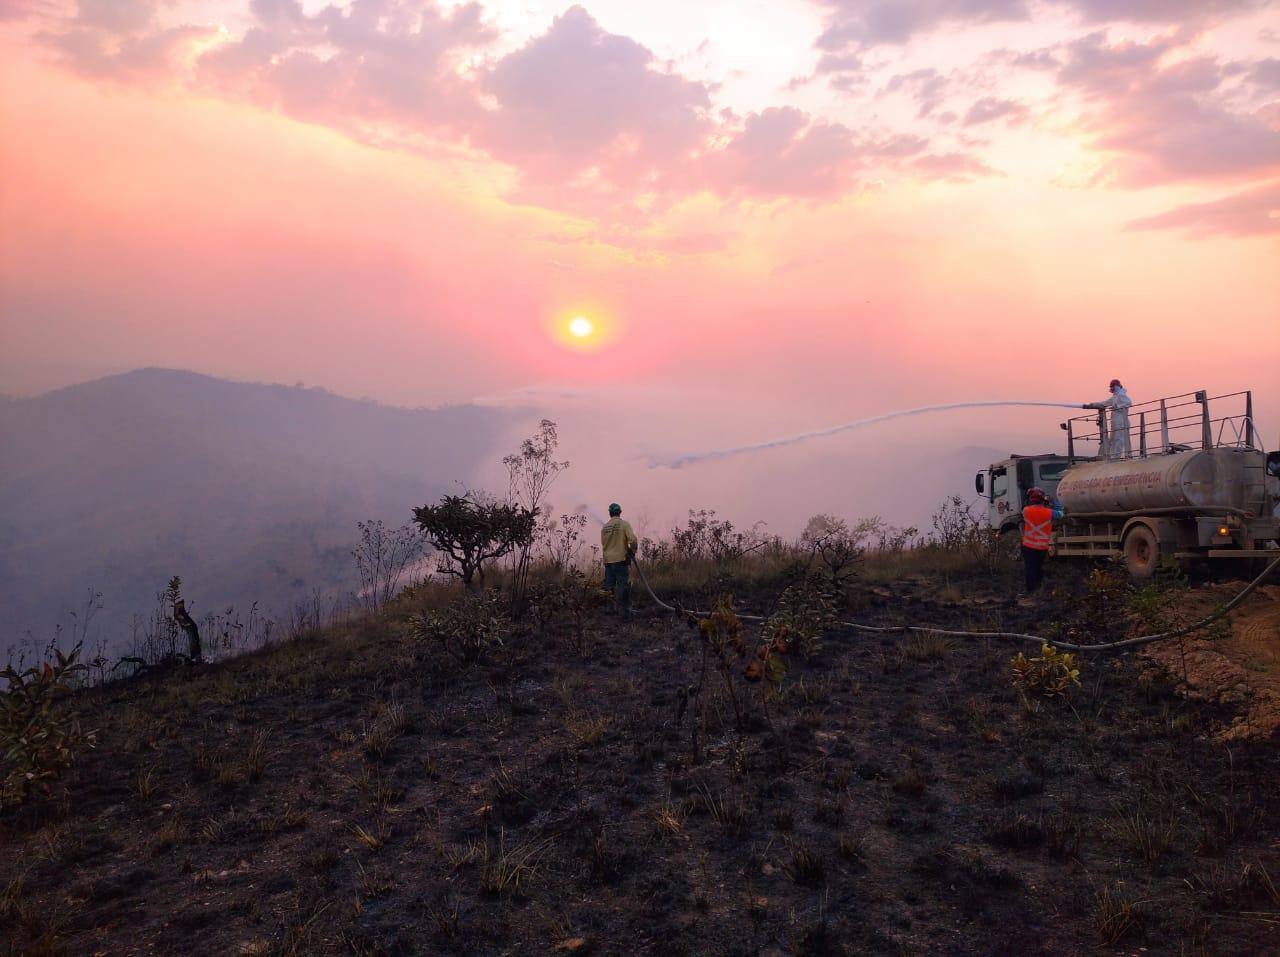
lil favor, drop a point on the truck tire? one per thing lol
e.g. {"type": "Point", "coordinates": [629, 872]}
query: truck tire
{"type": "Point", "coordinates": [1141, 553]}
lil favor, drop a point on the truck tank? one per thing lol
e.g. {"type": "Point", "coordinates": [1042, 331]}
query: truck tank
{"type": "Point", "coordinates": [1193, 479]}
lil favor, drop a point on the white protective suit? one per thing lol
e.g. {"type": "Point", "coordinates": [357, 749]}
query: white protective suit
{"type": "Point", "coordinates": [1118, 445]}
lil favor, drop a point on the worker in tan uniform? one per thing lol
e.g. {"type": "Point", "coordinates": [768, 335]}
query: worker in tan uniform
{"type": "Point", "coordinates": [618, 544]}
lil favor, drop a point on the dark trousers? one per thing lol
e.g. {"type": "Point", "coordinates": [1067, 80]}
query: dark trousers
{"type": "Point", "coordinates": [1033, 564]}
{"type": "Point", "coordinates": [617, 579]}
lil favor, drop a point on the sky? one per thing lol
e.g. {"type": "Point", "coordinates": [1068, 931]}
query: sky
{"type": "Point", "coordinates": [776, 216]}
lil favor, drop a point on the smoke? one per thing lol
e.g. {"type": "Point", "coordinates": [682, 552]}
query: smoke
{"type": "Point", "coordinates": [594, 513]}
{"type": "Point", "coordinates": [695, 457]}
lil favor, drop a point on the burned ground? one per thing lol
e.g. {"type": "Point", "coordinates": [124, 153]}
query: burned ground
{"type": "Point", "coordinates": [358, 793]}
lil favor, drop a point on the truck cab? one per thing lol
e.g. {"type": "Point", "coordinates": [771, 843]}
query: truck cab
{"type": "Point", "coordinates": [1005, 485]}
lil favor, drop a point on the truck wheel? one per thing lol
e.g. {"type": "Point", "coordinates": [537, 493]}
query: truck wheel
{"type": "Point", "coordinates": [1141, 553]}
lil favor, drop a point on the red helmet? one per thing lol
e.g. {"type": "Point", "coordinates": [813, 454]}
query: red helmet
{"type": "Point", "coordinates": [1036, 496]}
{"type": "Point", "coordinates": [1115, 384]}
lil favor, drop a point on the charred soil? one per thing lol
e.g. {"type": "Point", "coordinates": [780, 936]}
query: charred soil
{"type": "Point", "coordinates": [361, 793]}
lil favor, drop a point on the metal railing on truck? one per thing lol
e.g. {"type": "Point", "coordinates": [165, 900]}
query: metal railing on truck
{"type": "Point", "coordinates": [1174, 423]}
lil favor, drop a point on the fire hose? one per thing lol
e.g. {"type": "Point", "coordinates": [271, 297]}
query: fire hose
{"type": "Point", "coordinates": [1037, 640]}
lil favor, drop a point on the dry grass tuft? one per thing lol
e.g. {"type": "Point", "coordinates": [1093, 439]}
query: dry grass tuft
{"type": "Point", "coordinates": [669, 820]}
{"type": "Point", "coordinates": [851, 846]}
{"type": "Point", "coordinates": [1146, 832]}
{"type": "Point", "coordinates": [509, 871]}
{"type": "Point", "coordinates": [804, 865]}
{"type": "Point", "coordinates": [586, 730]}
{"type": "Point", "coordinates": [926, 647]}
{"type": "Point", "coordinates": [1114, 913]}
{"type": "Point", "coordinates": [372, 837]}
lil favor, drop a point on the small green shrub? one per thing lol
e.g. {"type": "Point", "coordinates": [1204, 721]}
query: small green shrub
{"type": "Point", "coordinates": [1051, 674]}
{"type": "Point", "coordinates": [466, 629]}
{"type": "Point", "coordinates": [40, 735]}
{"type": "Point", "coordinates": [1106, 595]}
{"type": "Point", "coordinates": [806, 611]}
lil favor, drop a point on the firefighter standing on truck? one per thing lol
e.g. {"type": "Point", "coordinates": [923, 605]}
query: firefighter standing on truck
{"type": "Point", "coordinates": [1037, 535]}
{"type": "Point", "coordinates": [618, 545]}
{"type": "Point", "coordinates": [1117, 444]}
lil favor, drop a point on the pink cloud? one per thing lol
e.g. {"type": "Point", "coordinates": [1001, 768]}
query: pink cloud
{"type": "Point", "coordinates": [991, 108]}
{"type": "Point", "coordinates": [927, 87]}
{"type": "Point", "coordinates": [120, 16]}
{"type": "Point", "coordinates": [781, 151]}
{"type": "Point", "coordinates": [586, 117]}
{"type": "Point", "coordinates": [593, 123]}
{"type": "Point", "coordinates": [1266, 73]}
{"type": "Point", "coordinates": [376, 60]}
{"type": "Point", "coordinates": [1251, 213]}
{"type": "Point", "coordinates": [1159, 11]}
{"type": "Point", "coordinates": [954, 167]}
{"type": "Point", "coordinates": [843, 71]}
{"type": "Point", "coordinates": [99, 53]}
{"type": "Point", "coordinates": [1160, 122]}
{"type": "Point", "coordinates": [21, 9]}
{"type": "Point", "coordinates": [869, 23]}
{"type": "Point", "coordinates": [578, 97]}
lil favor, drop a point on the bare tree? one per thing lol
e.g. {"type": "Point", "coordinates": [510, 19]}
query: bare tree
{"type": "Point", "coordinates": [562, 540]}
{"type": "Point", "coordinates": [531, 472]}
{"type": "Point", "coordinates": [195, 651]}
{"type": "Point", "coordinates": [839, 546]}
{"type": "Point", "coordinates": [382, 555]}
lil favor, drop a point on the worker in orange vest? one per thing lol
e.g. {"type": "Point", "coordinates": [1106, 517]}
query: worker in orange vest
{"type": "Point", "coordinates": [1037, 535]}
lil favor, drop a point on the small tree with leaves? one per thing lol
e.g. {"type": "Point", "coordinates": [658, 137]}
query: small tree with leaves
{"type": "Point", "coordinates": [471, 531]}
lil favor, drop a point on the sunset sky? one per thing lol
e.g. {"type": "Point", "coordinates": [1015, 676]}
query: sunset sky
{"type": "Point", "coordinates": [782, 214]}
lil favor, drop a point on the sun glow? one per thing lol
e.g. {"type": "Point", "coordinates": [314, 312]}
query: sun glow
{"type": "Point", "coordinates": [585, 328]}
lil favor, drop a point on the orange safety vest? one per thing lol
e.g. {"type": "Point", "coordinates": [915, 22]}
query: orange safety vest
{"type": "Point", "coordinates": [1037, 527]}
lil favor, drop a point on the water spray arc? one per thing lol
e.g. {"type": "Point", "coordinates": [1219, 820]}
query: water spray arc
{"type": "Point", "coordinates": [695, 457]}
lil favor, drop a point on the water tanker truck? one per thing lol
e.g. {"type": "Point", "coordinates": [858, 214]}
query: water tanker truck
{"type": "Point", "coordinates": [1192, 487]}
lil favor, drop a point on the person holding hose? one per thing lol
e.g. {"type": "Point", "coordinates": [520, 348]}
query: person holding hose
{"type": "Point", "coordinates": [1037, 535]}
{"type": "Point", "coordinates": [618, 544]}
{"type": "Point", "coordinates": [1118, 445]}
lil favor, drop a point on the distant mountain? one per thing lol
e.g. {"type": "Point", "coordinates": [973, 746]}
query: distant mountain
{"type": "Point", "coordinates": [249, 492]}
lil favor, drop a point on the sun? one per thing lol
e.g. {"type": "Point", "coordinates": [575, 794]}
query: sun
{"type": "Point", "coordinates": [582, 328]}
